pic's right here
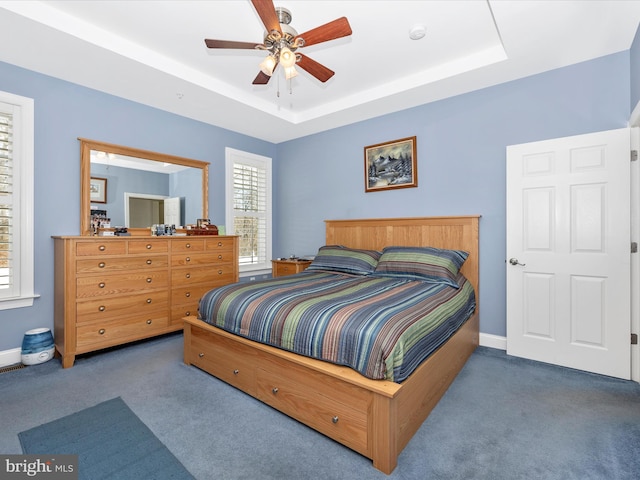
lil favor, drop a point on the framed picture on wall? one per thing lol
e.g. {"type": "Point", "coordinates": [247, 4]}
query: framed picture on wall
{"type": "Point", "coordinates": [98, 190]}
{"type": "Point", "coordinates": [391, 165]}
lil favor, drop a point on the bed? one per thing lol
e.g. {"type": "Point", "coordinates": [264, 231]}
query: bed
{"type": "Point", "coordinates": [376, 418]}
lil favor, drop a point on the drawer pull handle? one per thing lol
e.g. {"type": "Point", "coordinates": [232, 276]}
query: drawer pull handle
{"type": "Point", "coordinates": [148, 262]}
{"type": "Point", "coordinates": [188, 275]}
{"type": "Point", "coordinates": [148, 246]}
{"type": "Point", "coordinates": [101, 264]}
{"type": "Point", "coordinates": [274, 390]}
{"type": "Point", "coordinates": [219, 244]}
{"type": "Point", "coordinates": [236, 371]}
{"type": "Point", "coordinates": [101, 284]}
{"type": "Point", "coordinates": [188, 294]}
{"type": "Point", "coordinates": [102, 308]}
{"type": "Point", "coordinates": [219, 272]}
{"type": "Point", "coordinates": [188, 259]}
{"type": "Point", "coordinates": [219, 257]}
{"type": "Point", "coordinates": [149, 280]}
{"type": "Point", "coordinates": [201, 355]}
{"type": "Point", "coordinates": [335, 419]}
{"type": "Point", "coordinates": [148, 300]}
{"type": "Point", "coordinates": [102, 248]}
{"type": "Point", "coordinates": [187, 314]}
{"type": "Point", "coordinates": [101, 331]}
{"type": "Point", "coordinates": [149, 322]}
{"type": "Point", "coordinates": [188, 245]}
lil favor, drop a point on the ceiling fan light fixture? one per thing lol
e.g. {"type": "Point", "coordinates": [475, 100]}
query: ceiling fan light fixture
{"type": "Point", "coordinates": [290, 72]}
{"type": "Point", "coordinates": [268, 64]}
{"type": "Point", "coordinates": [287, 57]}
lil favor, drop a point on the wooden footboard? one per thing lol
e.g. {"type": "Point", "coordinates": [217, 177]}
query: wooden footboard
{"type": "Point", "coordinates": [376, 418]}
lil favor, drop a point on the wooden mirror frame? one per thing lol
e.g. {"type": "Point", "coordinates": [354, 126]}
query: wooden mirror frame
{"type": "Point", "coordinates": [85, 176]}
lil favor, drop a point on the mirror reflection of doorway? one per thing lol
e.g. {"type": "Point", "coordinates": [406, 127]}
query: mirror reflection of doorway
{"type": "Point", "coordinates": [142, 211]}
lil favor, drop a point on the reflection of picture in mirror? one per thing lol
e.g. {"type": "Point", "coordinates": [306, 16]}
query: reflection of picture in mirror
{"type": "Point", "coordinates": [98, 190]}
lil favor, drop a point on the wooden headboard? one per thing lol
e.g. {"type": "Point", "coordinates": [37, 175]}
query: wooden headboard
{"type": "Point", "coordinates": [455, 233]}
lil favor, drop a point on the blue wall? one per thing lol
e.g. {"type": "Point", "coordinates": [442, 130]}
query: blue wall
{"type": "Point", "coordinates": [461, 145]}
{"type": "Point", "coordinates": [461, 162]}
{"type": "Point", "coordinates": [64, 112]}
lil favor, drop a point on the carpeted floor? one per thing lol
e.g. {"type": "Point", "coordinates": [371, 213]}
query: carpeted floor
{"type": "Point", "coordinates": [503, 418]}
{"type": "Point", "coordinates": [109, 440]}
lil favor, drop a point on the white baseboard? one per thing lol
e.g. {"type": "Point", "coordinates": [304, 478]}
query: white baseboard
{"type": "Point", "coordinates": [10, 357]}
{"type": "Point", "coordinates": [493, 341]}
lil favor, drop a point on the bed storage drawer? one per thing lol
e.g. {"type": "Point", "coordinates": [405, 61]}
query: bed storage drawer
{"type": "Point", "coordinates": [295, 392]}
{"type": "Point", "coordinates": [227, 360]}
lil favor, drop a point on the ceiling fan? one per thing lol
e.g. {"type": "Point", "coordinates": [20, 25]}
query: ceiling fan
{"type": "Point", "coordinates": [282, 43]}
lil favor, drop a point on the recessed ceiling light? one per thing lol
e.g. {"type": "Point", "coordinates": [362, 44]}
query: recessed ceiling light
{"type": "Point", "coordinates": [417, 32]}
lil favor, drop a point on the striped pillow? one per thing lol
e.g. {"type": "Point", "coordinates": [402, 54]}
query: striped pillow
{"type": "Point", "coordinates": [339, 259]}
{"type": "Point", "coordinates": [422, 263]}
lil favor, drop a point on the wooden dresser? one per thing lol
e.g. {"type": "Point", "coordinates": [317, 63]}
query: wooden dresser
{"type": "Point", "coordinates": [114, 290]}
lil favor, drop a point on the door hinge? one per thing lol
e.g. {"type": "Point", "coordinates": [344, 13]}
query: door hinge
{"type": "Point", "coordinates": [634, 247]}
{"type": "Point", "coordinates": [634, 155]}
{"type": "Point", "coordinates": [634, 339]}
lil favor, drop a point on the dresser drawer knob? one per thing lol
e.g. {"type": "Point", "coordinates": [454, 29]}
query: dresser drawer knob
{"type": "Point", "coordinates": [102, 308]}
{"type": "Point", "coordinates": [274, 390]}
{"type": "Point", "coordinates": [149, 322]}
{"type": "Point", "coordinates": [148, 300]}
{"type": "Point", "coordinates": [201, 355]}
{"type": "Point", "coordinates": [101, 331]}
{"type": "Point", "coordinates": [188, 259]}
{"type": "Point", "coordinates": [188, 275]}
{"type": "Point", "coordinates": [188, 245]}
{"type": "Point", "coordinates": [101, 285]}
{"type": "Point", "coordinates": [187, 314]}
{"type": "Point", "coordinates": [188, 294]}
{"type": "Point", "coordinates": [335, 419]}
{"type": "Point", "coordinates": [219, 244]}
{"type": "Point", "coordinates": [148, 246]}
{"type": "Point", "coordinates": [149, 262]}
{"type": "Point", "coordinates": [102, 248]}
{"type": "Point", "coordinates": [219, 272]}
{"type": "Point", "coordinates": [219, 257]}
{"type": "Point", "coordinates": [149, 280]}
{"type": "Point", "coordinates": [101, 264]}
{"type": "Point", "coordinates": [236, 371]}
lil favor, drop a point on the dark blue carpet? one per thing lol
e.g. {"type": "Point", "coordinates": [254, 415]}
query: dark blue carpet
{"type": "Point", "coordinates": [110, 441]}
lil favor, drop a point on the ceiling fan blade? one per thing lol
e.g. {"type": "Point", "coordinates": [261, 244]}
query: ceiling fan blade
{"type": "Point", "coordinates": [329, 31]}
{"type": "Point", "coordinates": [267, 13]}
{"type": "Point", "coordinates": [230, 44]}
{"type": "Point", "coordinates": [261, 79]}
{"type": "Point", "coordinates": [316, 69]}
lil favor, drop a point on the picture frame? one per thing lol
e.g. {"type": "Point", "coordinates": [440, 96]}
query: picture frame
{"type": "Point", "coordinates": [98, 190]}
{"type": "Point", "coordinates": [391, 165]}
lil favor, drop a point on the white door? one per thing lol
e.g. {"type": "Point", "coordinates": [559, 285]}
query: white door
{"type": "Point", "coordinates": [568, 252]}
{"type": "Point", "coordinates": [172, 211]}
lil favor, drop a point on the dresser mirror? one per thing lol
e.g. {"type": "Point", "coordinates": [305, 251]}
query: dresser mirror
{"type": "Point", "coordinates": [138, 188]}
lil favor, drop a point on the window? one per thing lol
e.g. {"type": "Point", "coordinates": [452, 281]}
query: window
{"type": "Point", "coordinates": [248, 211]}
{"type": "Point", "coordinates": [16, 201]}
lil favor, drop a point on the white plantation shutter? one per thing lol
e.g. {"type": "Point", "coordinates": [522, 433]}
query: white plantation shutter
{"type": "Point", "coordinates": [249, 207]}
{"type": "Point", "coordinates": [16, 201]}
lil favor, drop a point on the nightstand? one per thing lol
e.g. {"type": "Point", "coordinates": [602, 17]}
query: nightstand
{"type": "Point", "coordinates": [280, 268]}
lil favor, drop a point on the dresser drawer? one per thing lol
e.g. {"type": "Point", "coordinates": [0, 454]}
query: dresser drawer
{"type": "Point", "coordinates": [178, 312]}
{"type": "Point", "coordinates": [148, 246]}
{"type": "Point", "coordinates": [220, 243]}
{"type": "Point", "coordinates": [189, 294]}
{"type": "Point", "coordinates": [288, 390]}
{"type": "Point", "coordinates": [114, 332]}
{"type": "Point", "coordinates": [125, 283]}
{"type": "Point", "coordinates": [213, 356]}
{"type": "Point", "coordinates": [187, 245]}
{"type": "Point", "coordinates": [213, 275]}
{"type": "Point", "coordinates": [215, 260]}
{"type": "Point", "coordinates": [105, 247]}
{"type": "Point", "coordinates": [121, 264]}
{"type": "Point", "coordinates": [107, 308]}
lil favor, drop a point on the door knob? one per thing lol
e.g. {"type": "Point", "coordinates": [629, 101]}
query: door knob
{"type": "Point", "coordinates": [514, 261]}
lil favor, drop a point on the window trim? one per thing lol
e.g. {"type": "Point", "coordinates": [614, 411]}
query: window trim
{"type": "Point", "coordinates": [230, 155]}
{"type": "Point", "coordinates": [24, 144]}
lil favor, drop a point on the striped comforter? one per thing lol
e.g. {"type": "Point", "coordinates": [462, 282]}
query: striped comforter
{"type": "Point", "coordinates": [382, 327]}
